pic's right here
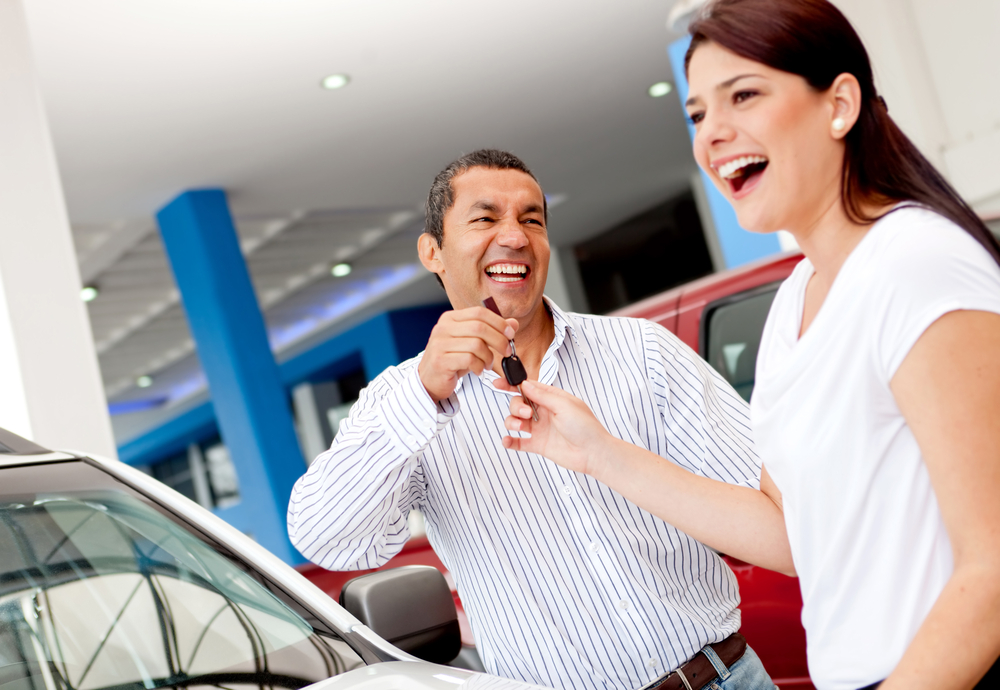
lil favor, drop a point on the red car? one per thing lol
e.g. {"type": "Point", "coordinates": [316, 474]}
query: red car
{"type": "Point", "coordinates": [721, 317]}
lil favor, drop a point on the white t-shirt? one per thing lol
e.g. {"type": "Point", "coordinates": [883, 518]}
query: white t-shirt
{"type": "Point", "coordinates": [867, 538]}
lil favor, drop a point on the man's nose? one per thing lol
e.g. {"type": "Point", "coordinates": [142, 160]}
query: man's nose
{"type": "Point", "coordinates": [510, 234]}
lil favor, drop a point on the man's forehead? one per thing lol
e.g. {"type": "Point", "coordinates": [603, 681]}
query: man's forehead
{"type": "Point", "coordinates": [481, 185]}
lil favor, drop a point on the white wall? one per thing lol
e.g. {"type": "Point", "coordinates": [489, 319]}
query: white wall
{"type": "Point", "coordinates": [937, 63]}
{"type": "Point", "coordinates": [50, 384]}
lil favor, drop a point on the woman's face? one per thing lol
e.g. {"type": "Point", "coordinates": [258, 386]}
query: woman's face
{"type": "Point", "coordinates": [764, 138]}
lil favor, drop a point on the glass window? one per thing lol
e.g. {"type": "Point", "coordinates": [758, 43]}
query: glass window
{"type": "Point", "coordinates": [733, 336]}
{"type": "Point", "coordinates": [100, 589]}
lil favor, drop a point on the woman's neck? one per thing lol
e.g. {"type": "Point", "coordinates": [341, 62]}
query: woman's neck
{"type": "Point", "coordinates": [828, 240]}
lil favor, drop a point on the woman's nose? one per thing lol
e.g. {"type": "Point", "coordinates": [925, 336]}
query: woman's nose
{"type": "Point", "coordinates": [714, 129]}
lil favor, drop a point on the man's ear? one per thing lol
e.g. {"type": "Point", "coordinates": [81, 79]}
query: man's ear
{"type": "Point", "coordinates": [429, 253]}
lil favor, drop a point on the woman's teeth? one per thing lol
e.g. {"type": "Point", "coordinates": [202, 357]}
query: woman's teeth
{"type": "Point", "coordinates": [507, 273]}
{"type": "Point", "coordinates": [735, 167]}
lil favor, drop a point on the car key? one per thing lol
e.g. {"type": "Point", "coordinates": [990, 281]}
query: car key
{"type": "Point", "coordinates": [513, 369]}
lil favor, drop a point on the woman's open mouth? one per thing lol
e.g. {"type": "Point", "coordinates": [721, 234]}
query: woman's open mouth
{"type": "Point", "coordinates": [507, 272]}
{"type": "Point", "coordinates": [742, 173]}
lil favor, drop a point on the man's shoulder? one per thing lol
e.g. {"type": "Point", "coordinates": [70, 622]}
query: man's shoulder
{"type": "Point", "coordinates": [613, 328]}
{"type": "Point", "coordinates": [394, 375]}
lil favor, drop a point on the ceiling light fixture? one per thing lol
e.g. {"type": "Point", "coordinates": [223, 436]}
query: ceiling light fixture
{"type": "Point", "coordinates": [341, 270]}
{"type": "Point", "coordinates": [336, 81]}
{"type": "Point", "coordinates": [660, 88]}
{"type": "Point", "coordinates": [144, 381]}
{"type": "Point", "coordinates": [89, 293]}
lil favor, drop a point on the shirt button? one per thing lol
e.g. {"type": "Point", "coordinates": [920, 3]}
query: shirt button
{"type": "Point", "coordinates": [568, 490]}
{"type": "Point", "coordinates": [595, 547]}
{"type": "Point", "coordinates": [653, 662]}
{"type": "Point", "coordinates": [428, 423]}
{"type": "Point", "coordinates": [623, 604]}
{"type": "Point", "coordinates": [411, 440]}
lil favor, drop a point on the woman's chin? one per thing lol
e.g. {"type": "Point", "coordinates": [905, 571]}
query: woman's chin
{"type": "Point", "coordinates": [753, 222]}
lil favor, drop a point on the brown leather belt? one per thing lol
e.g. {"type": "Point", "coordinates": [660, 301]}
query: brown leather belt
{"type": "Point", "coordinates": [699, 672]}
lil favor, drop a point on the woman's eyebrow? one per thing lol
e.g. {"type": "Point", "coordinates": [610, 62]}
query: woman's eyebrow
{"type": "Point", "coordinates": [721, 87]}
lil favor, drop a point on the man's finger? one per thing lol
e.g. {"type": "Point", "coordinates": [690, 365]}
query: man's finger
{"type": "Point", "coordinates": [481, 331]}
{"type": "Point", "coordinates": [473, 346]}
{"type": "Point", "coordinates": [485, 315]}
{"type": "Point", "coordinates": [462, 363]}
{"type": "Point", "coordinates": [501, 385]}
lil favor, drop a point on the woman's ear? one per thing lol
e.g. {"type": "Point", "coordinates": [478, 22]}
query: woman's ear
{"type": "Point", "coordinates": [845, 97]}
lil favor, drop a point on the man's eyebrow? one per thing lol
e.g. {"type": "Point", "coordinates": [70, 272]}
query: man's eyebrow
{"type": "Point", "coordinates": [721, 87]}
{"type": "Point", "coordinates": [484, 206]}
{"type": "Point", "coordinates": [534, 208]}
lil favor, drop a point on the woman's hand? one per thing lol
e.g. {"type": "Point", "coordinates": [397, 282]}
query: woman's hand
{"type": "Point", "coordinates": [566, 432]}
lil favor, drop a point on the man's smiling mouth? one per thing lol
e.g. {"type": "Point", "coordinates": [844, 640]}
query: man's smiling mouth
{"type": "Point", "coordinates": [740, 171]}
{"type": "Point", "coordinates": [507, 272]}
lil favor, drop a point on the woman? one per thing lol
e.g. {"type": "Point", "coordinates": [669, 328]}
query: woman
{"type": "Point", "coordinates": [877, 403]}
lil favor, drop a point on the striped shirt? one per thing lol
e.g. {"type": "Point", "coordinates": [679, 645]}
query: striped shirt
{"type": "Point", "coordinates": [566, 583]}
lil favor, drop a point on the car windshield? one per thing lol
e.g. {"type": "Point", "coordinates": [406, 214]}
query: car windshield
{"type": "Point", "coordinates": [98, 589]}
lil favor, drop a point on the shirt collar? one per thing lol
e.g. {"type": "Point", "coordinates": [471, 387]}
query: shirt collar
{"type": "Point", "coordinates": [562, 323]}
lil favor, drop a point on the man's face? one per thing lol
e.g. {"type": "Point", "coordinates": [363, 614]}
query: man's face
{"type": "Point", "coordinates": [495, 242]}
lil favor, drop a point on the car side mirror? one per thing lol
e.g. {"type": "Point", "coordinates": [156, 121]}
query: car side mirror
{"type": "Point", "coordinates": [411, 607]}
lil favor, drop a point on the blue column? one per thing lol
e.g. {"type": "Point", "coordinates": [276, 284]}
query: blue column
{"type": "Point", "coordinates": [251, 404]}
{"type": "Point", "coordinates": [739, 246]}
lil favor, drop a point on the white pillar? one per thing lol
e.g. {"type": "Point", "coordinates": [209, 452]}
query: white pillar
{"type": "Point", "coordinates": [50, 383]}
{"type": "Point", "coordinates": [563, 285]}
{"type": "Point", "coordinates": [936, 62]}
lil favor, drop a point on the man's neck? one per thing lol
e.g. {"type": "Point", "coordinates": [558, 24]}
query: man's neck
{"type": "Point", "coordinates": [532, 341]}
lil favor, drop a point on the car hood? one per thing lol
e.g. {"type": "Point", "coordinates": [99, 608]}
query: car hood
{"type": "Point", "coordinates": [408, 675]}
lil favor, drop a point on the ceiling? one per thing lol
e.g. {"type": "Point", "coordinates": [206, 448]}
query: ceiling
{"type": "Point", "coordinates": [148, 98]}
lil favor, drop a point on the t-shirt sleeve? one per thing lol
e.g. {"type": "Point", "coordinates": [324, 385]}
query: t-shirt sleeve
{"type": "Point", "coordinates": [929, 270]}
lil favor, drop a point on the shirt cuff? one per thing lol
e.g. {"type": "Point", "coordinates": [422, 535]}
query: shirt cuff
{"type": "Point", "coordinates": [411, 417]}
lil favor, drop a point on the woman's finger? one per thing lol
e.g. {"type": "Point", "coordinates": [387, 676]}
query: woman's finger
{"type": "Point", "coordinates": [545, 395]}
{"type": "Point", "coordinates": [524, 445]}
{"type": "Point", "coordinates": [518, 408]}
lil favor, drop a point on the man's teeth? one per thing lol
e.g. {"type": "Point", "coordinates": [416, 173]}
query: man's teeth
{"type": "Point", "coordinates": [730, 169]}
{"type": "Point", "coordinates": [507, 273]}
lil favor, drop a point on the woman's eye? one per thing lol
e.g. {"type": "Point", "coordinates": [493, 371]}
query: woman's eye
{"type": "Point", "coordinates": [695, 118]}
{"type": "Point", "coordinates": [741, 96]}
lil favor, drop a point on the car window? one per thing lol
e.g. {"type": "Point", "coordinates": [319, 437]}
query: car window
{"type": "Point", "coordinates": [98, 589]}
{"type": "Point", "coordinates": [732, 336]}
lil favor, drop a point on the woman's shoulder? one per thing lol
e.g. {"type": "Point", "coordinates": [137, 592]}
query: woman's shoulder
{"type": "Point", "coordinates": [913, 243]}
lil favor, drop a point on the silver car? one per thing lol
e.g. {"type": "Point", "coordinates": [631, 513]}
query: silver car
{"type": "Point", "coordinates": [111, 580]}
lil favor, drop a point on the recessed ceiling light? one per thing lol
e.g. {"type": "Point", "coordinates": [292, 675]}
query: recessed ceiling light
{"type": "Point", "coordinates": [144, 381]}
{"type": "Point", "coordinates": [660, 88]}
{"type": "Point", "coordinates": [88, 293]}
{"type": "Point", "coordinates": [336, 81]}
{"type": "Point", "coordinates": [341, 270]}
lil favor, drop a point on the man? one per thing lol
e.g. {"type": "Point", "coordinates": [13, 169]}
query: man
{"type": "Point", "coordinates": [566, 583]}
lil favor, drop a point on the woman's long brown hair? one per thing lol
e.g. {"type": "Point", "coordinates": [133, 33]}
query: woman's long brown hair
{"type": "Point", "coordinates": [811, 38]}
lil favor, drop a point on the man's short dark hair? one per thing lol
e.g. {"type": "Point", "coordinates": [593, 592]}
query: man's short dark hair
{"type": "Point", "coordinates": [442, 196]}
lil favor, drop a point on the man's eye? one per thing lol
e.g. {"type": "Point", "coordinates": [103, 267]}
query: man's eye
{"type": "Point", "coordinates": [533, 220]}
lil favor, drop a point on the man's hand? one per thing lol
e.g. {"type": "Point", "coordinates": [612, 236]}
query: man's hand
{"type": "Point", "coordinates": [463, 340]}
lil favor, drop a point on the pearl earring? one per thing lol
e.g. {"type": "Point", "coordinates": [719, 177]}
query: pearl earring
{"type": "Point", "coordinates": [838, 124]}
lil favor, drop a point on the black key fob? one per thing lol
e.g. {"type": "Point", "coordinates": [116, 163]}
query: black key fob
{"type": "Point", "coordinates": [513, 370]}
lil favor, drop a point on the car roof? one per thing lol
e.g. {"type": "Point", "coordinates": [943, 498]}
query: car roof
{"type": "Point", "coordinates": [16, 450]}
